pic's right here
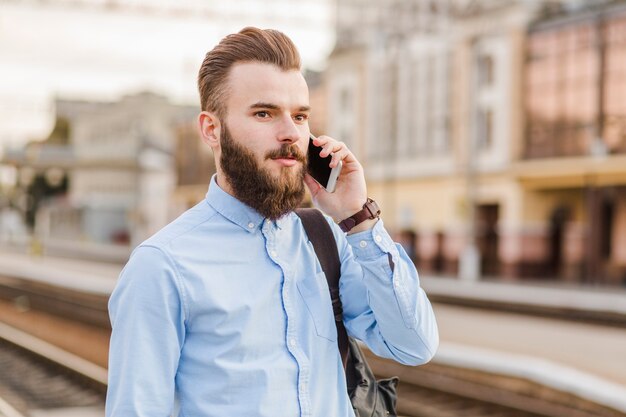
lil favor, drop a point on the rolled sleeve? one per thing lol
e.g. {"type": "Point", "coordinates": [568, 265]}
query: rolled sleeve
{"type": "Point", "coordinates": [398, 321]}
{"type": "Point", "coordinates": [372, 243]}
{"type": "Point", "coordinates": [372, 246]}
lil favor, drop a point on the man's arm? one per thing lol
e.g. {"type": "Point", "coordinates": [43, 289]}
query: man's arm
{"type": "Point", "coordinates": [383, 303]}
{"type": "Point", "coordinates": [147, 316]}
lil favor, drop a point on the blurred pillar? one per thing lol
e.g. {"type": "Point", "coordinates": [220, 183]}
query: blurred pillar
{"type": "Point", "coordinates": [469, 260]}
{"type": "Point", "coordinates": [597, 149]}
{"type": "Point", "coordinates": [593, 259]}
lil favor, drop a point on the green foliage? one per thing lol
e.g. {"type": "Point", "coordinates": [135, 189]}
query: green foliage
{"type": "Point", "coordinates": [60, 134]}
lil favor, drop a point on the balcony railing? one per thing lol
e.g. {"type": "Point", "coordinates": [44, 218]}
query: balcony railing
{"type": "Point", "coordinates": [558, 139]}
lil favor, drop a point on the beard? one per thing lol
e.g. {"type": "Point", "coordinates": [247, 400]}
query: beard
{"type": "Point", "coordinates": [271, 196]}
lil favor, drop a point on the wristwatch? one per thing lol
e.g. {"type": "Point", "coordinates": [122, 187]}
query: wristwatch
{"type": "Point", "coordinates": [370, 211]}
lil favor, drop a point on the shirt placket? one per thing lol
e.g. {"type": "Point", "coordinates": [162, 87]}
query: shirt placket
{"type": "Point", "coordinates": [291, 333]}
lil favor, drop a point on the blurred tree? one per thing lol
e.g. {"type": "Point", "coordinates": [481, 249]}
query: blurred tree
{"type": "Point", "coordinates": [60, 134]}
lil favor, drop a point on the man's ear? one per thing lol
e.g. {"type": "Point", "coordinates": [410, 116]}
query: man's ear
{"type": "Point", "coordinates": [210, 128]}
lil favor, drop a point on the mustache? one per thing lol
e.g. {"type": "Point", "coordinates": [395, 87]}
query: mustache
{"type": "Point", "coordinates": [287, 151]}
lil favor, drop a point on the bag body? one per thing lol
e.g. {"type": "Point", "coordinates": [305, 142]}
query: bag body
{"type": "Point", "coordinates": [369, 397]}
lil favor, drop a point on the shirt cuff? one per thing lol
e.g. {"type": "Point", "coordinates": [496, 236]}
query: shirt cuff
{"type": "Point", "coordinates": [370, 244]}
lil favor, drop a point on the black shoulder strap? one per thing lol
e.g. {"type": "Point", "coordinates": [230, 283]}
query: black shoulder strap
{"type": "Point", "coordinates": [321, 236]}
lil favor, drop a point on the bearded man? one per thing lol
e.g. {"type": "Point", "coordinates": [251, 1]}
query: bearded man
{"type": "Point", "coordinates": [226, 311]}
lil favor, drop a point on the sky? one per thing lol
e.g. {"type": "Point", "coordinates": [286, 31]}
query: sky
{"type": "Point", "coordinates": [103, 49]}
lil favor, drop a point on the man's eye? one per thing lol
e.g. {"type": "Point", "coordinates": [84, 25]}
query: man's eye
{"type": "Point", "coordinates": [301, 117]}
{"type": "Point", "coordinates": [262, 114]}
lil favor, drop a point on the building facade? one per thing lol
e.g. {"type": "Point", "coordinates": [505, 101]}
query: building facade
{"type": "Point", "coordinates": [118, 166]}
{"type": "Point", "coordinates": [194, 164]}
{"type": "Point", "coordinates": [573, 168]}
{"type": "Point", "coordinates": [436, 102]}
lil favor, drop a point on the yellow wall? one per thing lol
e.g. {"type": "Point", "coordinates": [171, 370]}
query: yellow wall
{"type": "Point", "coordinates": [441, 203]}
{"type": "Point", "coordinates": [539, 205]}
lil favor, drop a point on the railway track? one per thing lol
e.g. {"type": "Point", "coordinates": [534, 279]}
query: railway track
{"type": "Point", "coordinates": [39, 379]}
{"type": "Point", "coordinates": [433, 390]}
{"type": "Point", "coordinates": [75, 305]}
{"type": "Point", "coordinates": [436, 390]}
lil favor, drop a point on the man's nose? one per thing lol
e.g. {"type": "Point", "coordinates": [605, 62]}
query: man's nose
{"type": "Point", "coordinates": [288, 131]}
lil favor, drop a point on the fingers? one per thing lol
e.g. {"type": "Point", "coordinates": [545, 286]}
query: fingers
{"type": "Point", "coordinates": [313, 185]}
{"type": "Point", "coordinates": [330, 146]}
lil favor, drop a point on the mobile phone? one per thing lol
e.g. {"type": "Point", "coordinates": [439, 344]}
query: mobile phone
{"type": "Point", "coordinates": [319, 168]}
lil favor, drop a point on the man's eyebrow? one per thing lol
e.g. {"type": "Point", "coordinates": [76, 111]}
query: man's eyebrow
{"type": "Point", "coordinates": [271, 106]}
{"type": "Point", "coordinates": [262, 105]}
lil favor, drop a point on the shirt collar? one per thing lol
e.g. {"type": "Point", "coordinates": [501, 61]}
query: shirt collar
{"type": "Point", "coordinates": [234, 210]}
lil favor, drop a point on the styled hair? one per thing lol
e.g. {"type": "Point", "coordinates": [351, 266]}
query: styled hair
{"type": "Point", "coordinates": [249, 45]}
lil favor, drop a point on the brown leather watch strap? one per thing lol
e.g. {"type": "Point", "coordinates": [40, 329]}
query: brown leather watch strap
{"type": "Point", "coordinates": [370, 211]}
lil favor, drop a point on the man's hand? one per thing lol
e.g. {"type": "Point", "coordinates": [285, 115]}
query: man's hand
{"type": "Point", "coordinates": [351, 191]}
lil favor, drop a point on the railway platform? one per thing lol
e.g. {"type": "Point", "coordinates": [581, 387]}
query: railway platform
{"type": "Point", "coordinates": [512, 328]}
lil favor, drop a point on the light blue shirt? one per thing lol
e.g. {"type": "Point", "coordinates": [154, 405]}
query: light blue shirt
{"type": "Point", "coordinates": [230, 314]}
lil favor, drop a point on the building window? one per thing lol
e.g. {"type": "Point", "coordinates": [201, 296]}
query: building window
{"type": "Point", "coordinates": [489, 93]}
{"type": "Point", "coordinates": [614, 119]}
{"type": "Point", "coordinates": [561, 91]}
{"type": "Point", "coordinates": [346, 105]}
{"type": "Point", "coordinates": [484, 129]}
{"type": "Point", "coordinates": [345, 100]}
{"type": "Point", "coordinates": [343, 107]}
{"type": "Point", "coordinates": [485, 70]}
{"type": "Point", "coordinates": [428, 128]}
{"type": "Point", "coordinates": [383, 139]}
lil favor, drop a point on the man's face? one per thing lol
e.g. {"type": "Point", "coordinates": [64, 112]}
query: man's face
{"type": "Point", "coordinates": [255, 185]}
{"type": "Point", "coordinates": [264, 137]}
{"type": "Point", "coordinates": [267, 107]}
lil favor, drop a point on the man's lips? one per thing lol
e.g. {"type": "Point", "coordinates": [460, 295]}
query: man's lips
{"type": "Point", "coordinates": [286, 161]}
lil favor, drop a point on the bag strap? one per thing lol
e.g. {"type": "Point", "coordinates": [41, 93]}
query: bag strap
{"type": "Point", "coordinates": [321, 236]}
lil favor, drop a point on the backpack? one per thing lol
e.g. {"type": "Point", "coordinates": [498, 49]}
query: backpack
{"type": "Point", "coordinates": [369, 397]}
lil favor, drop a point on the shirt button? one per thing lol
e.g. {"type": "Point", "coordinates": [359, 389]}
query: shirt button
{"type": "Point", "coordinates": [273, 253]}
{"type": "Point", "coordinates": [378, 238]}
{"type": "Point", "coordinates": [362, 243]}
{"type": "Point", "coordinates": [251, 225]}
{"type": "Point", "coordinates": [396, 284]}
{"type": "Point", "coordinates": [292, 342]}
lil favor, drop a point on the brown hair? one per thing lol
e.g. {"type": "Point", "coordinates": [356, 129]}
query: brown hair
{"type": "Point", "coordinates": [249, 45]}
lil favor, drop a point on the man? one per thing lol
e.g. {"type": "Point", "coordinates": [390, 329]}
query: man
{"type": "Point", "coordinates": [227, 309]}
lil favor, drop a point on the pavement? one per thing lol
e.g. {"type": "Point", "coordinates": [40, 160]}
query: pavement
{"type": "Point", "coordinates": [565, 297]}
{"type": "Point", "coordinates": [584, 359]}
{"type": "Point", "coordinates": [577, 357]}
{"type": "Point", "coordinates": [89, 276]}
{"type": "Point", "coordinates": [69, 412]}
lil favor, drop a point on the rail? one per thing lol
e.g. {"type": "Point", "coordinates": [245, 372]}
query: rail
{"type": "Point", "coordinates": [39, 375]}
{"type": "Point", "coordinates": [437, 390]}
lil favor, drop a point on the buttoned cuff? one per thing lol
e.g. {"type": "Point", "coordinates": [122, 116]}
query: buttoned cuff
{"type": "Point", "coordinates": [371, 244]}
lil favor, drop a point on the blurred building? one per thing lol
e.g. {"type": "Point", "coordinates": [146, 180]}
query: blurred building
{"type": "Point", "coordinates": [318, 101]}
{"type": "Point", "coordinates": [117, 170]}
{"type": "Point", "coordinates": [573, 166]}
{"type": "Point", "coordinates": [194, 167]}
{"type": "Point", "coordinates": [41, 170]}
{"type": "Point", "coordinates": [432, 96]}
